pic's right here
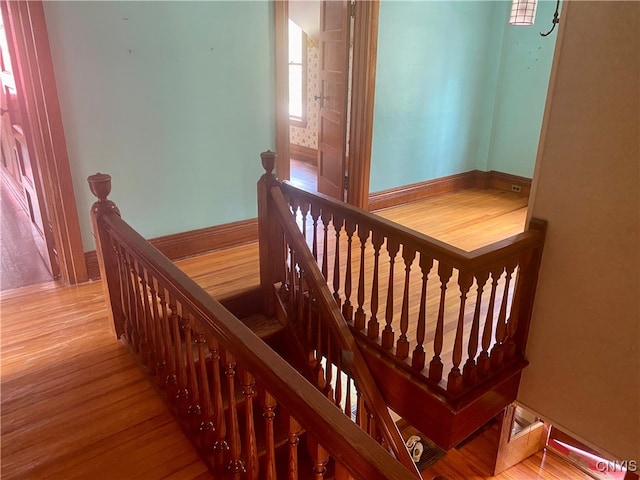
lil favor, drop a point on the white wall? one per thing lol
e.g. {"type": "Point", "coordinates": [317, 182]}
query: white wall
{"type": "Point", "coordinates": [584, 374]}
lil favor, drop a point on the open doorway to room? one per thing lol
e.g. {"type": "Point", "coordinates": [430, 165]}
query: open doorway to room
{"type": "Point", "coordinates": [35, 164]}
{"type": "Point", "coordinates": [27, 255]}
{"type": "Point", "coordinates": [345, 81]}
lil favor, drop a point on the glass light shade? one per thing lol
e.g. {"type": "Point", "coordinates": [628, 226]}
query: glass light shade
{"type": "Point", "coordinates": [523, 12]}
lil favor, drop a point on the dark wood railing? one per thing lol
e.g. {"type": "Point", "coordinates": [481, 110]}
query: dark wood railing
{"type": "Point", "coordinates": [424, 305]}
{"type": "Point", "coordinates": [333, 359]}
{"type": "Point", "coordinates": [217, 375]}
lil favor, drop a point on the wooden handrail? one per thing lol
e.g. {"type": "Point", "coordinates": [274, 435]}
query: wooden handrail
{"type": "Point", "coordinates": [492, 337]}
{"type": "Point", "coordinates": [456, 257]}
{"type": "Point", "coordinates": [353, 448]}
{"type": "Point", "coordinates": [341, 330]}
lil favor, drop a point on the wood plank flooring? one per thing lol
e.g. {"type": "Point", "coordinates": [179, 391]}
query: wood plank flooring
{"type": "Point", "coordinates": [75, 405]}
{"type": "Point", "coordinates": [20, 261]}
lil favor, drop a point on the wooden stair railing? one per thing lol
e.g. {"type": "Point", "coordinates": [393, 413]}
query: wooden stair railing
{"type": "Point", "coordinates": [334, 356]}
{"type": "Point", "coordinates": [245, 409]}
{"type": "Point", "coordinates": [453, 321]}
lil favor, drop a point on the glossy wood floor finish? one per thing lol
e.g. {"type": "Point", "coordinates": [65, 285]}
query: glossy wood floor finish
{"type": "Point", "coordinates": [75, 405]}
{"type": "Point", "coordinates": [20, 261]}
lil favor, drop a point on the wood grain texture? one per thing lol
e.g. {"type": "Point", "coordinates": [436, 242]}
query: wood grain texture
{"type": "Point", "coordinates": [194, 242]}
{"type": "Point", "coordinates": [304, 175]}
{"type": "Point", "coordinates": [20, 261]}
{"type": "Point", "coordinates": [60, 327]}
{"type": "Point", "coordinates": [33, 68]}
{"type": "Point", "coordinates": [365, 48]}
{"type": "Point", "coordinates": [303, 154]}
{"type": "Point", "coordinates": [475, 458]}
{"type": "Point", "coordinates": [452, 183]}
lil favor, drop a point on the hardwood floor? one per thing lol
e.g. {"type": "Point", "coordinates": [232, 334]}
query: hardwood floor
{"type": "Point", "coordinates": [475, 460]}
{"type": "Point", "coordinates": [20, 261]}
{"type": "Point", "coordinates": [74, 404]}
{"type": "Point", "coordinates": [304, 175]}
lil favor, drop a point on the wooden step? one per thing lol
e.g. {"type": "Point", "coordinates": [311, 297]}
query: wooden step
{"type": "Point", "coordinates": [263, 326]}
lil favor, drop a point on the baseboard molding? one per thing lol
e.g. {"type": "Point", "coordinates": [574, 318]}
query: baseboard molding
{"type": "Point", "coordinates": [473, 179]}
{"type": "Point", "coordinates": [194, 242]}
{"type": "Point", "coordinates": [304, 154]}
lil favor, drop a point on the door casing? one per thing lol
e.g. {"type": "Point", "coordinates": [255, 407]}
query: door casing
{"type": "Point", "coordinates": [365, 40]}
{"type": "Point", "coordinates": [44, 133]}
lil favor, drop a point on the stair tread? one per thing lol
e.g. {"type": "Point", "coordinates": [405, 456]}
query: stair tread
{"type": "Point", "coordinates": [263, 326]}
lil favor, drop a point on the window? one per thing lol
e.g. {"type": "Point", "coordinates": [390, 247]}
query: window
{"type": "Point", "coordinates": [297, 76]}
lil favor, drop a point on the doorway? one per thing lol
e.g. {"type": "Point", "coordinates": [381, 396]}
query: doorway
{"type": "Point", "coordinates": [27, 253]}
{"type": "Point", "coordinates": [41, 172]}
{"type": "Point", "coordinates": [333, 165]}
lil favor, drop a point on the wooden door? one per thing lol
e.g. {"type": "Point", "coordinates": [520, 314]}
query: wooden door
{"type": "Point", "coordinates": [332, 121]}
{"type": "Point", "coordinates": [19, 169]}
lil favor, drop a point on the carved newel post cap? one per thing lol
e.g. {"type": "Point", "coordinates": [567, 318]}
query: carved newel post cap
{"type": "Point", "coordinates": [100, 185]}
{"type": "Point", "coordinates": [268, 161]}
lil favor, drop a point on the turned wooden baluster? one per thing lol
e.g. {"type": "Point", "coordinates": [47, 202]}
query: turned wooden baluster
{"type": "Point", "coordinates": [435, 367]}
{"type": "Point", "coordinates": [171, 381]}
{"type": "Point", "coordinates": [127, 328]}
{"type": "Point", "coordinates": [329, 369]}
{"type": "Point", "coordinates": [131, 304]}
{"type": "Point", "coordinates": [235, 466]}
{"type": "Point", "coordinates": [326, 218]}
{"type": "Point", "coordinates": [484, 363]}
{"type": "Point", "coordinates": [402, 351]}
{"type": "Point", "coordinates": [304, 213]}
{"type": "Point", "coordinates": [159, 335]}
{"type": "Point", "coordinates": [293, 439]}
{"type": "Point", "coordinates": [319, 457]}
{"type": "Point", "coordinates": [151, 325]}
{"type": "Point", "coordinates": [337, 226]}
{"type": "Point", "coordinates": [373, 327]}
{"type": "Point", "coordinates": [315, 215]}
{"type": "Point", "coordinates": [510, 345]}
{"type": "Point", "coordinates": [393, 246]}
{"type": "Point", "coordinates": [469, 371]}
{"type": "Point", "coordinates": [182, 395]}
{"type": "Point", "coordinates": [269, 413]}
{"type": "Point", "coordinates": [347, 308]}
{"type": "Point", "coordinates": [207, 425]}
{"type": "Point", "coordinates": [145, 344]}
{"type": "Point", "coordinates": [250, 441]}
{"type": "Point", "coordinates": [454, 381]}
{"type": "Point", "coordinates": [338, 389]}
{"type": "Point", "coordinates": [497, 352]}
{"type": "Point", "coordinates": [348, 408]}
{"type": "Point", "coordinates": [300, 297]}
{"type": "Point", "coordinates": [419, 356]}
{"type": "Point", "coordinates": [194, 410]}
{"type": "Point", "coordinates": [141, 345]}
{"type": "Point", "coordinates": [221, 446]}
{"type": "Point", "coordinates": [361, 317]}
{"type": "Point", "coordinates": [318, 370]}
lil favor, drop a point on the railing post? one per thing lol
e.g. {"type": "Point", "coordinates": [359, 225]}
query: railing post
{"type": "Point", "coordinates": [100, 185]}
{"type": "Point", "coordinates": [270, 236]}
{"type": "Point", "coordinates": [525, 292]}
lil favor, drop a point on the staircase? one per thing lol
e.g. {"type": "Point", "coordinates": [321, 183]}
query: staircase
{"type": "Point", "coordinates": [296, 380]}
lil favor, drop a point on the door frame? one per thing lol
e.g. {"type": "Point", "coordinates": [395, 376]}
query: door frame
{"type": "Point", "coordinates": [44, 132]}
{"type": "Point", "coordinates": [365, 42]}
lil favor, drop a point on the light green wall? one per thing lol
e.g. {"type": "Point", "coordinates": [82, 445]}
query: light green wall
{"type": "Point", "coordinates": [522, 92]}
{"type": "Point", "coordinates": [448, 75]}
{"type": "Point", "coordinates": [173, 99]}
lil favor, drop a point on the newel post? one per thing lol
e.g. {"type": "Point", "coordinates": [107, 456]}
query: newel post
{"type": "Point", "coordinates": [525, 290]}
{"type": "Point", "coordinates": [270, 235]}
{"type": "Point", "coordinates": [100, 185]}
